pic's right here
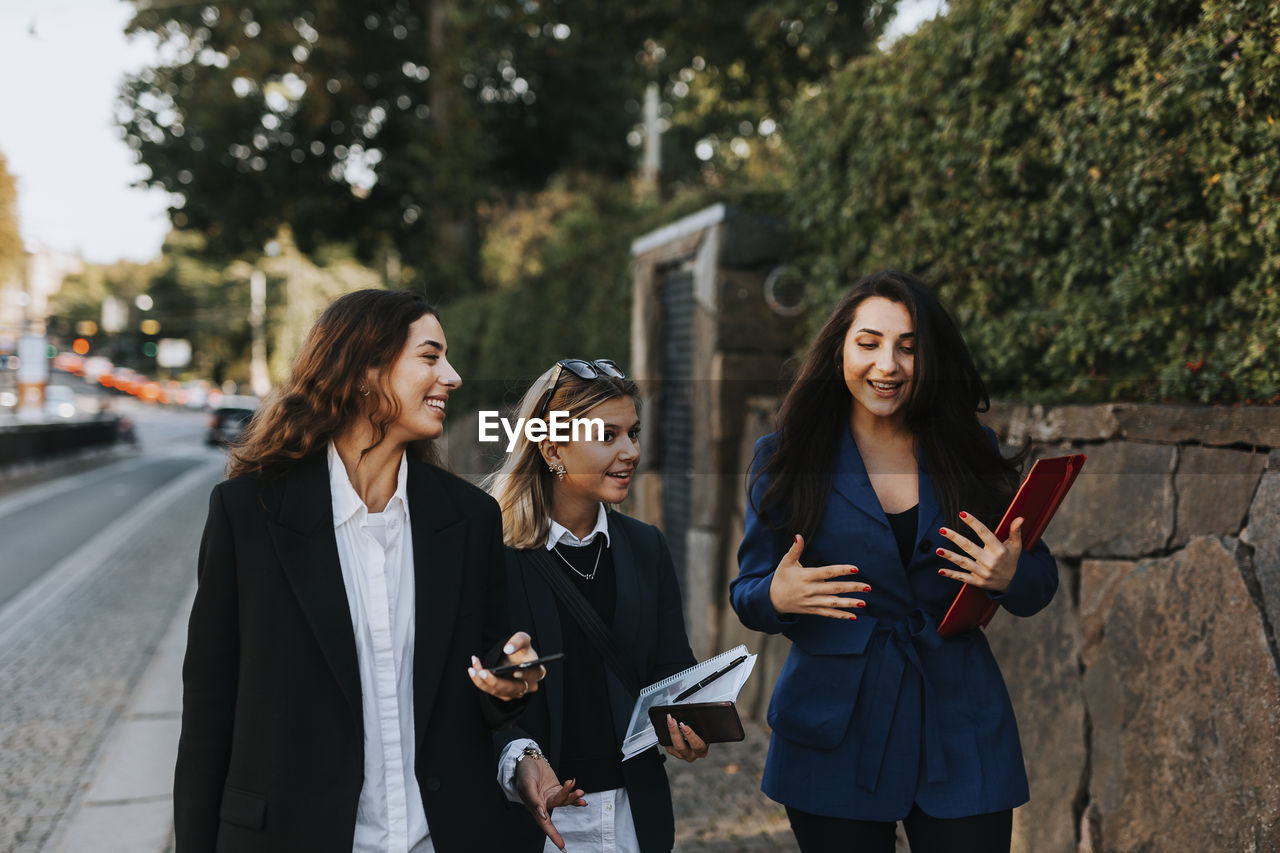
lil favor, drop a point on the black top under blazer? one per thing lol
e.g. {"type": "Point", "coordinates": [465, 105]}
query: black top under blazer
{"type": "Point", "coordinates": [271, 755]}
{"type": "Point", "coordinates": [648, 625]}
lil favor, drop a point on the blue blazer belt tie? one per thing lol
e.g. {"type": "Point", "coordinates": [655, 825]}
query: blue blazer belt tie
{"type": "Point", "coordinates": [900, 649]}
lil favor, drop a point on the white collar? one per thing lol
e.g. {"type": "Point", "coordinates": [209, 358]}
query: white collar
{"type": "Point", "coordinates": [346, 502]}
{"type": "Point", "coordinates": [560, 534]}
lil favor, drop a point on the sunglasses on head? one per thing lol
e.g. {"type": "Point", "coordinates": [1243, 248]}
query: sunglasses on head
{"type": "Point", "coordinates": [582, 369]}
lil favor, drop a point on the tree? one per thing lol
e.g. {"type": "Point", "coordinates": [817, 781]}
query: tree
{"type": "Point", "coordinates": [388, 122]}
{"type": "Point", "coordinates": [11, 251]}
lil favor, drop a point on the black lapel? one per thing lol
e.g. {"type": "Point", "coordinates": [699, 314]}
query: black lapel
{"type": "Point", "coordinates": [626, 620]}
{"type": "Point", "coordinates": [308, 551]}
{"type": "Point", "coordinates": [548, 637]}
{"type": "Point", "coordinates": [439, 561]}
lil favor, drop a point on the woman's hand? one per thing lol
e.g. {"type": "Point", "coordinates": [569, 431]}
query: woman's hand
{"type": "Point", "coordinates": [796, 589]}
{"type": "Point", "coordinates": [990, 565]}
{"type": "Point", "coordinates": [541, 791]}
{"type": "Point", "coordinates": [685, 743]}
{"type": "Point", "coordinates": [517, 650]}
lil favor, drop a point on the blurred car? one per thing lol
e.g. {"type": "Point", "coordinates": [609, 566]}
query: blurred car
{"type": "Point", "coordinates": [197, 394]}
{"type": "Point", "coordinates": [59, 401]}
{"type": "Point", "coordinates": [229, 419]}
{"type": "Point", "coordinates": [94, 368]}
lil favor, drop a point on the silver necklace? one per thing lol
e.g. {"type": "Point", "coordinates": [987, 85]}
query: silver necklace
{"type": "Point", "coordinates": [556, 549]}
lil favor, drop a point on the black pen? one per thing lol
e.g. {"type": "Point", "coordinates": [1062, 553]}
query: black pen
{"type": "Point", "coordinates": [685, 694]}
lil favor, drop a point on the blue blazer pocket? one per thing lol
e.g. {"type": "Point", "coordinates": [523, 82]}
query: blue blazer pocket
{"type": "Point", "coordinates": [243, 808]}
{"type": "Point", "coordinates": [813, 700]}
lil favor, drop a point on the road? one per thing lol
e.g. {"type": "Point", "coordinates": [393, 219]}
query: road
{"type": "Point", "coordinates": [93, 568]}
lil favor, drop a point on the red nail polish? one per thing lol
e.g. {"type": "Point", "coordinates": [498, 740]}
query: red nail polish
{"type": "Point", "coordinates": [941, 552]}
{"type": "Point", "coordinates": [942, 572]}
{"type": "Point", "coordinates": [854, 618]}
{"type": "Point", "coordinates": [854, 570]}
{"type": "Point", "coordinates": [862, 604]}
{"type": "Point", "coordinates": [942, 530]}
{"type": "Point", "coordinates": [964, 515]}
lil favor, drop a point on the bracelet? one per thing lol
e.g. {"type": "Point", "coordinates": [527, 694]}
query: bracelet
{"type": "Point", "coordinates": [528, 752]}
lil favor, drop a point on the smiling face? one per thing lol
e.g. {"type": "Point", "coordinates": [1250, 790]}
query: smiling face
{"type": "Point", "coordinates": [420, 381]}
{"type": "Point", "coordinates": [878, 361]}
{"type": "Point", "coordinates": [598, 470]}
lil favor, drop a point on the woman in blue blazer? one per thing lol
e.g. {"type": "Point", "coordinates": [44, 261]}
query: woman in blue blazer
{"type": "Point", "coordinates": [554, 494]}
{"type": "Point", "coordinates": [869, 506]}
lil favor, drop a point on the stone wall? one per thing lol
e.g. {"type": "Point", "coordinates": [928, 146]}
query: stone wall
{"type": "Point", "coordinates": [1148, 692]}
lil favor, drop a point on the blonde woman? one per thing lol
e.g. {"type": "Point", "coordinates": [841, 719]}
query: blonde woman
{"type": "Point", "coordinates": [559, 528]}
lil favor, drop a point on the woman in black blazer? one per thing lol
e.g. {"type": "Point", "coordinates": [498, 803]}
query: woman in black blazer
{"type": "Point", "coordinates": [554, 495]}
{"type": "Point", "coordinates": [330, 699]}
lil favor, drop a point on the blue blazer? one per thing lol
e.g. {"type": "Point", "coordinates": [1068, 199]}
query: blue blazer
{"type": "Point", "coordinates": [871, 716]}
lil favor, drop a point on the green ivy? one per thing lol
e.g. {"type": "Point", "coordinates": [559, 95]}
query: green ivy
{"type": "Point", "coordinates": [1091, 186]}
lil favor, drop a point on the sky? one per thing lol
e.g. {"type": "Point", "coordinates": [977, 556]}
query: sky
{"type": "Point", "coordinates": [61, 62]}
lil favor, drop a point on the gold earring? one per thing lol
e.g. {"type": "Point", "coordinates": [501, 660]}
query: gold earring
{"type": "Point", "coordinates": [364, 392]}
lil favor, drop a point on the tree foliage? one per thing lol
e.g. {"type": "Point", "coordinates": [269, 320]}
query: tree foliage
{"type": "Point", "coordinates": [1092, 186]}
{"type": "Point", "coordinates": [11, 251]}
{"type": "Point", "coordinates": [388, 123]}
{"type": "Point", "coordinates": [560, 262]}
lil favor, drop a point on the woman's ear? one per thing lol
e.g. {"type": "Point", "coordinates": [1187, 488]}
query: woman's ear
{"type": "Point", "coordinates": [550, 453]}
{"type": "Point", "coordinates": [369, 383]}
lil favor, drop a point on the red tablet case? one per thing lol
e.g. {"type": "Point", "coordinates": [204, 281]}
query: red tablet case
{"type": "Point", "coordinates": [1037, 499]}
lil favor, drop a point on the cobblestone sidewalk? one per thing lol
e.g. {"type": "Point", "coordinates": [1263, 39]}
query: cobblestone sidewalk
{"type": "Point", "coordinates": [68, 668]}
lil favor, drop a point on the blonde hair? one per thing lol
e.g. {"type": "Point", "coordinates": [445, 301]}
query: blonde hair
{"type": "Point", "coordinates": [522, 485]}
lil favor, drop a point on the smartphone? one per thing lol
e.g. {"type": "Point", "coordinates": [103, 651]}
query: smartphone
{"type": "Point", "coordinates": [529, 664]}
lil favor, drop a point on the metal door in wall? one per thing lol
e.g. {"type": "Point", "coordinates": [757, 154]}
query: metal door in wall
{"type": "Point", "coordinates": [675, 412]}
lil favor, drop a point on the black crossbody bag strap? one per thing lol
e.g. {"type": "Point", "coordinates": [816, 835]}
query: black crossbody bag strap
{"type": "Point", "coordinates": [587, 618]}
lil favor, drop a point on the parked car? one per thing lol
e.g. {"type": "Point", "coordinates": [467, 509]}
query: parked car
{"type": "Point", "coordinates": [229, 419]}
{"type": "Point", "coordinates": [59, 401]}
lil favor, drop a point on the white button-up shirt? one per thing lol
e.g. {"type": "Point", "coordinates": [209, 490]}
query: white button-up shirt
{"type": "Point", "coordinates": [375, 551]}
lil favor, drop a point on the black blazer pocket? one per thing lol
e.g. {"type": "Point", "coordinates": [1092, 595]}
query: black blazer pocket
{"type": "Point", "coordinates": [243, 808]}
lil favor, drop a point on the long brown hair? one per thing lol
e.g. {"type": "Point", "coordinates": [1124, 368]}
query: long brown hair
{"type": "Point", "coordinates": [329, 385]}
{"type": "Point", "coordinates": [967, 469]}
{"type": "Point", "coordinates": [522, 486]}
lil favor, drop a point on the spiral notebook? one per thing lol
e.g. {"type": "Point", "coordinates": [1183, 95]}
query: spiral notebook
{"type": "Point", "coordinates": [640, 733]}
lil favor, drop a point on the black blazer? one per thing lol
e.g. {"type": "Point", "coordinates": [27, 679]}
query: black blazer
{"type": "Point", "coordinates": [271, 755]}
{"type": "Point", "coordinates": [648, 624]}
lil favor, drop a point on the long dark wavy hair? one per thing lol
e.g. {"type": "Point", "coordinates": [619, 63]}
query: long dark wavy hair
{"type": "Point", "coordinates": [358, 334]}
{"type": "Point", "coordinates": [967, 469]}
